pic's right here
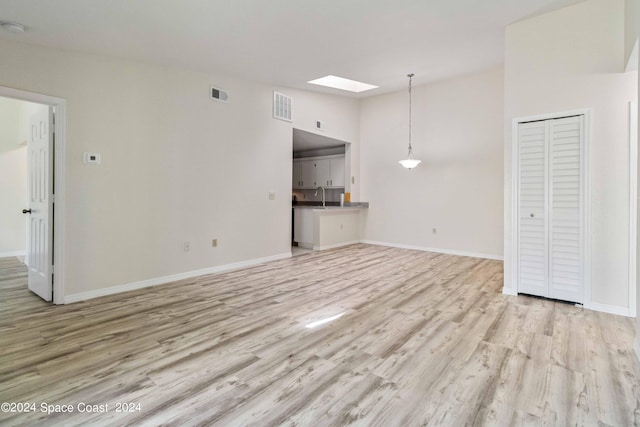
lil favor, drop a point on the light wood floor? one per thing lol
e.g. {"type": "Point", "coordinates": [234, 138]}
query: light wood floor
{"type": "Point", "coordinates": [425, 339]}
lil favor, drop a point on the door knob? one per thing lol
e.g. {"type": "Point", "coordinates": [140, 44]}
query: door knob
{"type": "Point", "coordinates": [531, 215]}
{"type": "Point", "coordinates": [26, 211]}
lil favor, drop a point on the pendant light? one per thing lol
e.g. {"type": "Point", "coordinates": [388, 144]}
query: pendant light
{"type": "Point", "coordinates": [410, 162]}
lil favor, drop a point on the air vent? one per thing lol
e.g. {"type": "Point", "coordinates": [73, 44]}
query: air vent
{"type": "Point", "coordinates": [282, 106]}
{"type": "Point", "coordinates": [218, 94]}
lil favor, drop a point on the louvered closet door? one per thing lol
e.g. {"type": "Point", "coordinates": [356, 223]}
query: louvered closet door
{"type": "Point", "coordinates": [550, 206]}
{"type": "Point", "coordinates": [565, 218]}
{"type": "Point", "coordinates": [532, 201]}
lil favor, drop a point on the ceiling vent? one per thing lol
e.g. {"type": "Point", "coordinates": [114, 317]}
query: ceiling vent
{"type": "Point", "coordinates": [218, 94]}
{"type": "Point", "coordinates": [282, 106]}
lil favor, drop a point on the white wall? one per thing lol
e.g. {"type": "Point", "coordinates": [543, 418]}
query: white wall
{"type": "Point", "coordinates": [631, 33]}
{"type": "Point", "coordinates": [636, 17]}
{"type": "Point", "coordinates": [176, 166]}
{"type": "Point", "coordinates": [13, 179]}
{"type": "Point", "coordinates": [457, 189]}
{"type": "Point", "coordinates": [565, 60]}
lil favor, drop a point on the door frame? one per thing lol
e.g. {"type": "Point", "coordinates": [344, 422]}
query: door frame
{"type": "Point", "coordinates": [59, 206]}
{"type": "Point", "coordinates": [633, 204]}
{"type": "Point", "coordinates": [586, 214]}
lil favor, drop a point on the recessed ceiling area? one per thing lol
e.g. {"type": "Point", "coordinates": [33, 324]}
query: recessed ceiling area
{"type": "Point", "coordinates": [304, 142]}
{"type": "Point", "coordinates": [288, 42]}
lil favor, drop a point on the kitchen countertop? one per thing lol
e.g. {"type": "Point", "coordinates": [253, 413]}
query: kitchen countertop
{"type": "Point", "coordinates": [351, 205]}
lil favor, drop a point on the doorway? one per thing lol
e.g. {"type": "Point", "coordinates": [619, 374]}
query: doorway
{"type": "Point", "coordinates": [45, 255]}
{"type": "Point", "coordinates": [320, 170]}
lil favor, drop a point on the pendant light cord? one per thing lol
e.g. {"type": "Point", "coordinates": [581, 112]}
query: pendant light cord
{"type": "Point", "coordinates": [410, 77]}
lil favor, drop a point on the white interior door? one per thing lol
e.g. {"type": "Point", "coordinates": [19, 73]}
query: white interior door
{"type": "Point", "coordinates": [40, 204]}
{"type": "Point", "coordinates": [565, 210]}
{"type": "Point", "coordinates": [533, 257]}
{"type": "Point", "coordinates": [550, 208]}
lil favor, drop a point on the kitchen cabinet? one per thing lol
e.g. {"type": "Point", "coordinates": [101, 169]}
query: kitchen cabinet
{"type": "Point", "coordinates": [297, 174]}
{"type": "Point", "coordinates": [304, 174]}
{"type": "Point", "coordinates": [330, 172]}
{"type": "Point", "coordinates": [323, 172]}
{"type": "Point", "coordinates": [336, 177]}
{"type": "Point", "coordinates": [308, 174]}
{"type": "Point", "coordinates": [311, 173]}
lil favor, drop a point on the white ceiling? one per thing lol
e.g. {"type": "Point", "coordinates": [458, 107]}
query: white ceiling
{"type": "Point", "coordinates": [285, 42]}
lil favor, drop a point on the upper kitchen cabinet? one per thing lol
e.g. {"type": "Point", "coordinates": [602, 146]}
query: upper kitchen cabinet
{"type": "Point", "coordinates": [337, 172]}
{"type": "Point", "coordinates": [297, 175]}
{"type": "Point", "coordinates": [304, 174]}
{"type": "Point", "coordinates": [330, 172]}
{"type": "Point", "coordinates": [326, 171]}
{"type": "Point", "coordinates": [308, 173]}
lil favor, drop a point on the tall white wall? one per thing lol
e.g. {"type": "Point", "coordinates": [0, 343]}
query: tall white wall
{"type": "Point", "coordinates": [457, 189]}
{"type": "Point", "coordinates": [637, 343]}
{"type": "Point", "coordinates": [631, 32]}
{"type": "Point", "coordinates": [570, 59]}
{"type": "Point", "coordinates": [636, 18]}
{"type": "Point", "coordinates": [13, 179]}
{"type": "Point", "coordinates": [176, 166]}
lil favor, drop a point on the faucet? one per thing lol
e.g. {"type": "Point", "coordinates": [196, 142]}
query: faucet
{"type": "Point", "coordinates": [321, 188]}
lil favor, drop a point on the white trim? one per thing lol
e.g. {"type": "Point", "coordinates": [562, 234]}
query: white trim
{"type": "Point", "coordinates": [636, 347]}
{"type": "Point", "coordinates": [335, 245]}
{"type": "Point", "coordinates": [83, 296]}
{"type": "Point", "coordinates": [633, 203]}
{"type": "Point", "coordinates": [611, 309]}
{"type": "Point", "coordinates": [509, 291]}
{"type": "Point", "coordinates": [12, 254]}
{"type": "Point", "coordinates": [515, 174]}
{"type": "Point", "coordinates": [437, 250]}
{"type": "Point", "coordinates": [60, 178]}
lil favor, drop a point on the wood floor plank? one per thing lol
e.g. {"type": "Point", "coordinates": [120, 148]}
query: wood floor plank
{"type": "Point", "coordinates": [423, 339]}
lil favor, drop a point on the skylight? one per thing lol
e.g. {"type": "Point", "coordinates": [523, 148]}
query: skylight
{"type": "Point", "coordinates": [342, 84]}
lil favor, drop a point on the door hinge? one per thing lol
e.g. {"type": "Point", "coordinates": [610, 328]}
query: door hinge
{"type": "Point", "coordinates": [53, 269]}
{"type": "Point", "coordinates": [53, 198]}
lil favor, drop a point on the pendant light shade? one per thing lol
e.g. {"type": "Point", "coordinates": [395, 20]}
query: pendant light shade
{"type": "Point", "coordinates": [410, 162]}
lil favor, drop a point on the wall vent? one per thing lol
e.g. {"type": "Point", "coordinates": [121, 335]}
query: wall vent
{"type": "Point", "coordinates": [218, 94]}
{"type": "Point", "coordinates": [282, 106]}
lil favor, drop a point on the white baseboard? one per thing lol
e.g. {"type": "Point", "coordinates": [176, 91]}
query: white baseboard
{"type": "Point", "coordinates": [437, 250]}
{"type": "Point", "coordinates": [509, 291]}
{"type": "Point", "coordinates": [335, 245]}
{"type": "Point", "coordinates": [12, 254]}
{"type": "Point", "coordinates": [83, 296]}
{"type": "Point", "coordinates": [611, 309]}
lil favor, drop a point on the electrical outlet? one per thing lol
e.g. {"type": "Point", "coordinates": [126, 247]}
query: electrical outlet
{"type": "Point", "coordinates": [272, 195]}
{"type": "Point", "coordinates": [214, 243]}
{"type": "Point", "coordinates": [187, 246]}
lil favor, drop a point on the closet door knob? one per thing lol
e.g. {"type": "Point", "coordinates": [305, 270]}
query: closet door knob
{"type": "Point", "coordinates": [532, 215]}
